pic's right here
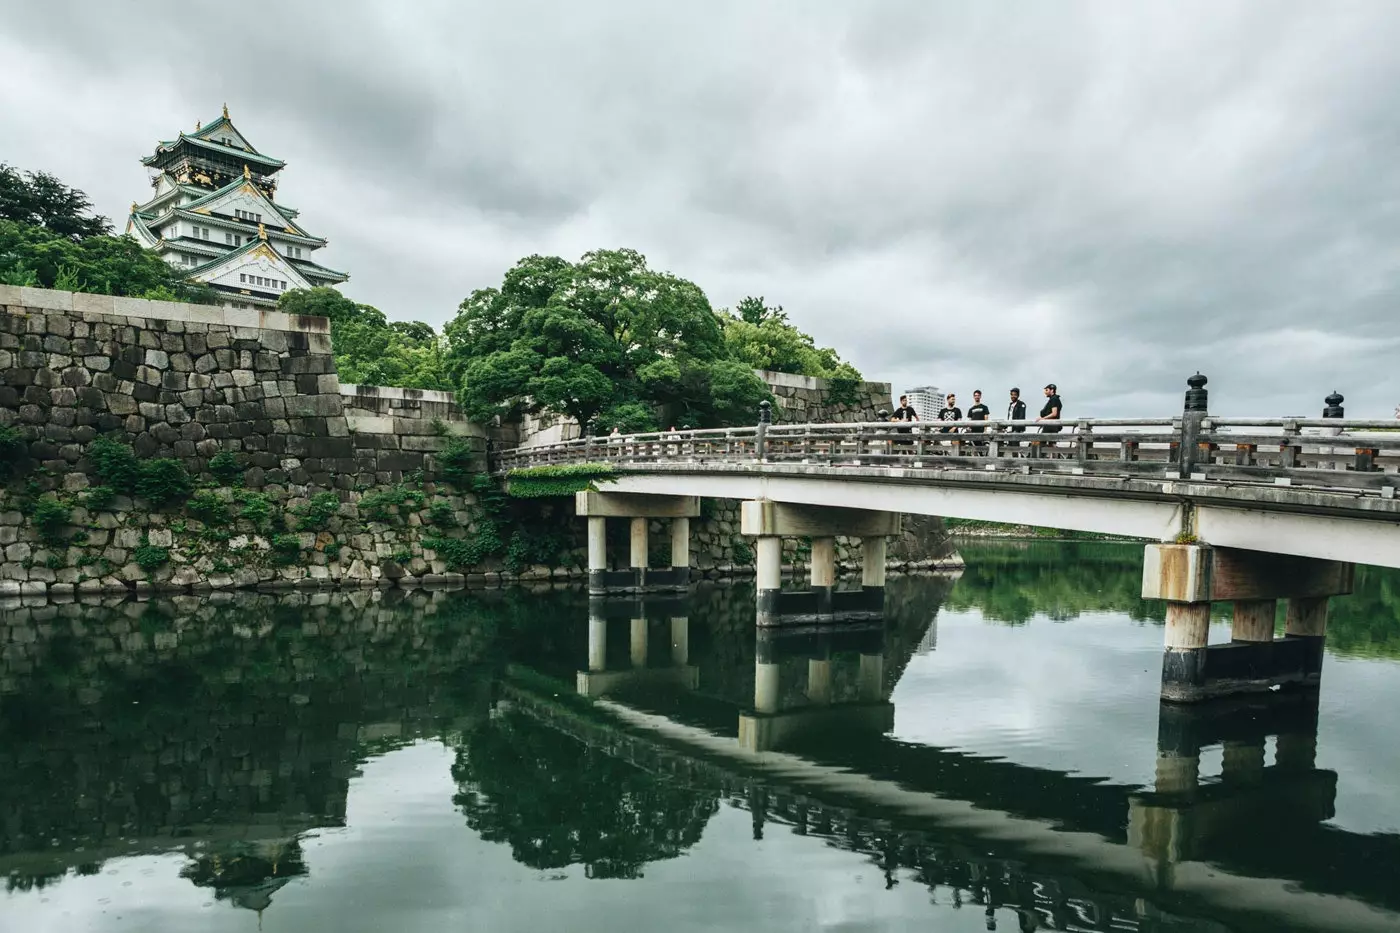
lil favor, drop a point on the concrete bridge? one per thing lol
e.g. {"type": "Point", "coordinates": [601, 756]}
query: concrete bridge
{"type": "Point", "coordinates": [1245, 510]}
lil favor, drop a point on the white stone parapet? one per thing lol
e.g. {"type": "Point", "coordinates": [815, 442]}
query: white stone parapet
{"type": "Point", "coordinates": [45, 299]}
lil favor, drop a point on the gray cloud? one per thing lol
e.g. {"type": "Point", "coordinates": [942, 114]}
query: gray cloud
{"type": "Point", "coordinates": [1106, 196]}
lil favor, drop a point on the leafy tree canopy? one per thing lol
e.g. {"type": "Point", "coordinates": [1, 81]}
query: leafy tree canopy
{"type": "Point", "coordinates": [49, 239]}
{"type": "Point", "coordinates": [606, 338]}
{"type": "Point", "coordinates": [369, 349]}
{"type": "Point", "coordinates": [38, 199]}
{"type": "Point", "coordinates": [762, 337]}
{"type": "Point", "coordinates": [108, 265]}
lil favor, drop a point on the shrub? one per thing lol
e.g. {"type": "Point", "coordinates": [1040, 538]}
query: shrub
{"type": "Point", "coordinates": [256, 508]}
{"type": "Point", "coordinates": [163, 481]}
{"type": "Point", "coordinates": [441, 513]}
{"type": "Point", "coordinates": [332, 550]}
{"type": "Point", "coordinates": [160, 482]}
{"type": "Point", "coordinates": [376, 505]}
{"type": "Point", "coordinates": [457, 462]}
{"type": "Point", "coordinates": [210, 508]}
{"type": "Point", "coordinates": [743, 554]}
{"type": "Point", "coordinates": [225, 468]}
{"type": "Point", "coordinates": [13, 452]}
{"type": "Point", "coordinates": [316, 514]}
{"type": "Point", "coordinates": [98, 498]}
{"type": "Point", "coordinates": [115, 464]}
{"type": "Point", "coordinates": [148, 557]}
{"type": "Point", "coordinates": [286, 549]}
{"type": "Point", "coordinates": [51, 515]}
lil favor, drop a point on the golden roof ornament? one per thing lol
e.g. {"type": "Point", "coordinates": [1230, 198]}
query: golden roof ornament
{"type": "Point", "coordinates": [246, 174]}
{"type": "Point", "coordinates": [225, 110]}
{"type": "Point", "coordinates": [197, 125]}
{"type": "Point", "coordinates": [262, 233]}
{"type": "Point", "coordinates": [133, 207]}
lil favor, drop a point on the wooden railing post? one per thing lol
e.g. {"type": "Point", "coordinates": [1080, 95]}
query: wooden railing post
{"type": "Point", "coordinates": [765, 417]}
{"type": "Point", "coordinates": [1191, 418]}
{"type": "Point", "coordinates": [1084, 439]}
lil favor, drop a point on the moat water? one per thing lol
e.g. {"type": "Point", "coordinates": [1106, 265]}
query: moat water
{"type": "Point", "coordinates": [993, 756]}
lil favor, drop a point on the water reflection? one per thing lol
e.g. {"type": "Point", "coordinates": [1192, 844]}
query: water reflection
{"type": "Point", "coordinates": [615, 736]}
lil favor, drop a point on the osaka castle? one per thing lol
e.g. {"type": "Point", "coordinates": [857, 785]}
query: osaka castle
{"type": "Point", "coordinates": [213, 215]}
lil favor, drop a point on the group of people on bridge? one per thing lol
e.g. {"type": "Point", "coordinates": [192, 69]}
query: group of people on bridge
{"type": "Point", "coordinates": [1051, 412]}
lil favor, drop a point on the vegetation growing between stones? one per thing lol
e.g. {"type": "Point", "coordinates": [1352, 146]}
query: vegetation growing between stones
{"type": "Point", "coordinates": [13, 452]}
{"type": "Point", "coordinates": [51, 515]}
{"type": "Point", "coordinates": [563, 479]}
{"type": "Point", "coordinates": [149, 557]}
{"type": "Point", "coordinates": [161, 481]}
{"type": "Point", "coordinates": [224, 467]}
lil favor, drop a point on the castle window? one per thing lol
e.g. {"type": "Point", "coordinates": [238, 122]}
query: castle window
{"type": "Point", "coordinates": [243, 278]}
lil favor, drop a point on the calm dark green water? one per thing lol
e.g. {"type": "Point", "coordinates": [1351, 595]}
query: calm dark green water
{"type": "Point", "coordinates": [987, 759]}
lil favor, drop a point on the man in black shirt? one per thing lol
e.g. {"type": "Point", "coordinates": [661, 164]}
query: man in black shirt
{"type": "Point", "coordinates": [1051, 411]}
{"type": "Point", "coordinates": [950, 412]}
{"type": "Point", "coordinates": [905, 411]}
{"type": "Point", "coordinates": [978, 411]}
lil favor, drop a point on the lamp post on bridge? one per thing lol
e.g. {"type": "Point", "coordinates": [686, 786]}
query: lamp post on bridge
{"type": "Point", "coordinates": [1191, 417]}
{"type": "Point", "coordinates": [765, 417]}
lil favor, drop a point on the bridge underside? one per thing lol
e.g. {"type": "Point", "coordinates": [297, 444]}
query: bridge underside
{"type": "Point", "coordinates": [1323, 525]}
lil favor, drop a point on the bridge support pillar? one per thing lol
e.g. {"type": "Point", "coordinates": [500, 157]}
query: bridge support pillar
{"type": "Point", "coordinates": [598, 507]}
{"type": "Point", "coordinates": [769, 522]}
{"type": "Point", "coordinates": [1192, 576]}
{"type": "Point", "coordinates": [823, 572]}
{"type": "Point", "coordinates": [1254, 620]}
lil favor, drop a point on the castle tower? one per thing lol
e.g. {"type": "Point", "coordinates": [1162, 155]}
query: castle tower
{"type": "Point", "coordinates": [213, 216]}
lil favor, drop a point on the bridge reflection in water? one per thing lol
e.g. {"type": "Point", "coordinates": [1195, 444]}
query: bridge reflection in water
{"type": "Point", "coordinates": [610, 735]}
{"type": "Point", "coordinates": [804, 744]}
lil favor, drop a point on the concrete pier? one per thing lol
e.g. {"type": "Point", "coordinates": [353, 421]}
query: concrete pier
{"type": "Point", "coordinates": [639, 510]}
{"type": "Point", "coordinates": [769, 522]}
{"type": "Point", "coordinates": [1190, 577]}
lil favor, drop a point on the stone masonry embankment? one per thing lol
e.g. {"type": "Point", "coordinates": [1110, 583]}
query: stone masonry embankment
{"type": "Point", "coordinates": [249, 404]}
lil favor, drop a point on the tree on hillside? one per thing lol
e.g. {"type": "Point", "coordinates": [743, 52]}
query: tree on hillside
{"type": "Point", "coordinates": [761, 337]}
{"type": "Point", "coordinates": [38, 199]}
{"type": "Point", "coordinates": [606, 338]}
{"type": "Point", "coordinates": [369, 349]}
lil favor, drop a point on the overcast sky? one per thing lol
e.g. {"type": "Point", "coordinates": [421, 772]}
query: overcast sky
{"type": "Point", "coordinates": [1107, 195]}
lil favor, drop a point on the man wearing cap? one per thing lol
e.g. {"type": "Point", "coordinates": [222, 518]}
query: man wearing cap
{"type": "Point", "coordinates": [1051, 411]}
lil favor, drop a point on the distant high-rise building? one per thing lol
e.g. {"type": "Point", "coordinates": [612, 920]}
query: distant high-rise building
{"type": "Point", "coordinates": [213, 217]}
{"type": "Point", "coordinates": [926, 401]}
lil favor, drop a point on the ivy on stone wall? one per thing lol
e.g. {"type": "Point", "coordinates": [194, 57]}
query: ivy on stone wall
{"type": "Point", "coordinates": [563, 479]}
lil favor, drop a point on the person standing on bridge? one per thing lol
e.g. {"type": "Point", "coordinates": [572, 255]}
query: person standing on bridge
{"type": "Point", "coordinates": [978, 411]}
{"type": "Point", "coordinates": [1016, 411]}
{"type": "Point", "coordinates": [950, 412]}
{"type": "Point", "coordinates": [1051, 413]}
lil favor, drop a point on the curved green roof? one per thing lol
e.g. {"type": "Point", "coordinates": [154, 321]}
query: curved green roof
{"type": "Point", "coordinates": [244, 154]}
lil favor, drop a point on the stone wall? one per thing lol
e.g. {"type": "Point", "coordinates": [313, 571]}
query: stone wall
{"type": "Point", "coordinates": [806, 399]}
{"type": "Point", "coordinates": [189, 383]}
{"type": "Point", "coordinates": [192, 381]}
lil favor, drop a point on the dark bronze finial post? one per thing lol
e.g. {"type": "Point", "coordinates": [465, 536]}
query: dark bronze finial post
{"type": "Point", "coordinates": [1334, 407]}
{"type": "Point", "coordinates": [1191, 417]}
{"type": "Point", "coordinates": [765, 417]}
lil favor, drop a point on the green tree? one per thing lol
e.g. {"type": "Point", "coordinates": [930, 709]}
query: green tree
{"type": "Point", "coordinates": [109, 265]}
{"type": "Point", "coordinates": [605, 337]}
{"type": "Point", "coordinates": [369, 349]}
{"type": "Point", "coordinates": [38, 199]}
{"type": "Point", "coordinates": [762, 338]}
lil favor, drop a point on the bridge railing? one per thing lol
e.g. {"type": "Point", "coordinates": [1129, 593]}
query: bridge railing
{"type": "Point", "coordinates": [1331, 453]}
